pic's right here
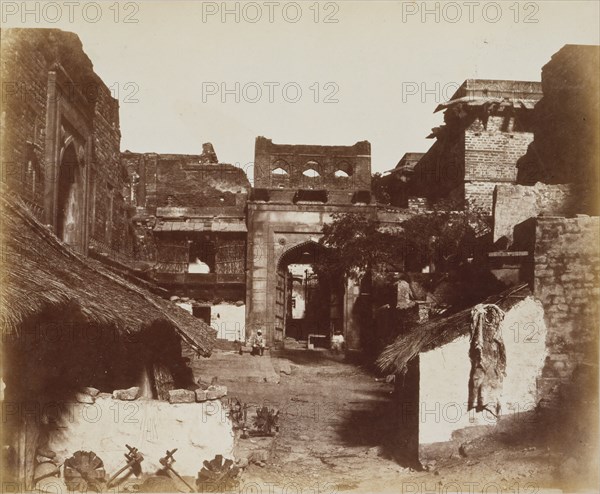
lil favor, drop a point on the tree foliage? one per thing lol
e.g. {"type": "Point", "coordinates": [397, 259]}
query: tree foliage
{"type": "Point", "coordinates": [357, 243]}
{"type": "Point", "coordinates": [444, 238]}
{"type": "Point", "coordinates": [379, 186]}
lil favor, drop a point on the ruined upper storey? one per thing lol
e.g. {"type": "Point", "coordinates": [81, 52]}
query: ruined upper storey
{"type": "Point", "coordinates": [301, 166]}
{"type": "Point", "coordinates": [197, 184]}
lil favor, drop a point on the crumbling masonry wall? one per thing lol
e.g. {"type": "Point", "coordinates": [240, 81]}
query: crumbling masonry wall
{"type": "Point", "coordinates": [567, 282]}
{"type": "Point", "coordinates": [487, 128]}
{"type": "Point", "coordinates": [567, 117]}
{"type": "Point", "coordinates": [326, 167]}
{"type": "Point", "coordinates": [515, 204]}
{"type": "Point", "coordinates": [199, 431]}
{"type": "Point", "coordinates": [52, 98]}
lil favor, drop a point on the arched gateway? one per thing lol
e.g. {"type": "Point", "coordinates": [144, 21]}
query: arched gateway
{"type": "Point", "coordinates": [284, 297]}
{"type": "Point", "coordinates": [304, 303]}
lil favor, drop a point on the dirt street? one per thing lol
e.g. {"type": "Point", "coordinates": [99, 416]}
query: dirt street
{"type": "Point", "coordinates": [336, 435]}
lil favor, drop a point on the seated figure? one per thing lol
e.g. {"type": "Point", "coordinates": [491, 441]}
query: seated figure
{"type": "Point", "coordinates": [337, 342]}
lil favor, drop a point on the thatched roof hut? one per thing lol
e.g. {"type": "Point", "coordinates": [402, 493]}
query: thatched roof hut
{"type": "Point", "coordinates": [42, 274]}
{"type": "Point", "coordinates": [440, 331]}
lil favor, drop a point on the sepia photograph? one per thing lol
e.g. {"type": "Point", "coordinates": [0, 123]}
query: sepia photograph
{"type": "Point", "coordinates": [300, 247]}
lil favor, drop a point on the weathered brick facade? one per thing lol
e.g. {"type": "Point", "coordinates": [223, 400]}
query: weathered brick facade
{"type": "Point", "coordinates": [188, 209]}
{"type": "Point", "coordinates": [546, 219]}
{"type": "Point", "coordinates": [61, 139]}
{"type": "Point", "coordinates": [491, 154]}
{"type": "Point", "coordinates": [487, 129]}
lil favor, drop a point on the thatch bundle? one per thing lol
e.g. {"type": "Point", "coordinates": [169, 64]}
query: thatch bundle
{"type": "Point", "coordinates": [41, 274]}
{"type": "Point", "coordinates": [439, 331]}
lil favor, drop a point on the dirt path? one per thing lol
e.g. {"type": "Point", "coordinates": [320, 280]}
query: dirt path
{"type": "Point", "coordinates": [333, 421]}
{"type": "Point", "coordinates": [335, 436]}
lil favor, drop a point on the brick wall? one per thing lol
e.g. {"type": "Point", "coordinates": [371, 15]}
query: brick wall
{"type": "Point", "coordinates": [480, 195]}
{"type": "Point", "coordinates": [112, 183]}
{"type": "Point", "coordinates": [491, 155]}
{"type": "Point", "coordinates": [189, 184]}
{"type": "Point", "coordinates": [480, 143]}
{"type": "Point", "coordinates": [567, 282]}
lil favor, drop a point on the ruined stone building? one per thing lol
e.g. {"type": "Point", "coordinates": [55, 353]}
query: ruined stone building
{"type": "Point", "coordinates": [190, 223]}
{"type": "Point", "coordinates": [487, 128]}
{"type": "Point", "coordinates": [223, 249]}
{"type": "Point", "coordinates": [549, 231]}
{"type": "Point", "coordinates": [199, 233]}
{"type": "Point", "coordinates": [238, 257]}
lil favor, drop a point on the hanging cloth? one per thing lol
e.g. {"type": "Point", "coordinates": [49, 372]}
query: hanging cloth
{"type": "Point", "coordinates": [488, 359]}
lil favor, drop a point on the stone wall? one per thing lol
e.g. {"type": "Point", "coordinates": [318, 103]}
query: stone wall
{"type": "Point", "coordinates": [24, 90]}
{"type": "Point", "coordinates": [292, 166]}
{"type": "Point", "coordinates": [567, 282]}
{"type": "Point", "coordinates": [190, 184]}
{"type": "Point", "coordinates": [566, 144]}
{"type": "Point", "coordinates": [514, 204]}
{"type": "Point", "coordinates": [273, 230]}
{"type": "Point", "coordinates": [186, 206]}
{"type": "Point", "coordinates": [479, 144]}
{"type": "Point", "coordinates": [110, 177]}
{"type": "Point", "coordinates": [180, 180]}
{"type": "Point", "coordinates": [567, 117]}
{"type": "Point", "coordinates": [51, 95]}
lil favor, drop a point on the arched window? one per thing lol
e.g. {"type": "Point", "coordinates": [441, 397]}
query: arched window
{"type": "Point", "coordinates": [343, 169]}
{"type": "Point", "coordinates": [311, 173]}
{"type": "Point", "coordinates": [279, 172]}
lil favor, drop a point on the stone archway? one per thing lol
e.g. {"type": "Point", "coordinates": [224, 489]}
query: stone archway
{"type": "Point", "coordinates": [304, 304]}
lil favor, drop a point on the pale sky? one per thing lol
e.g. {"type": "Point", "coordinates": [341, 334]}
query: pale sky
{"type": "Point", "coordinates": [388, 63]}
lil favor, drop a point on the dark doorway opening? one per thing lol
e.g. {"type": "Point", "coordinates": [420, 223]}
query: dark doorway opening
{"type": "Point", "coordinates": [202, 312]}
{"type": "Point", "coordinates": [305, 304]}
{"type": "Point", "coordinates": [70, 199]}
{"type": "Point", "coordinates": [202, 254]}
